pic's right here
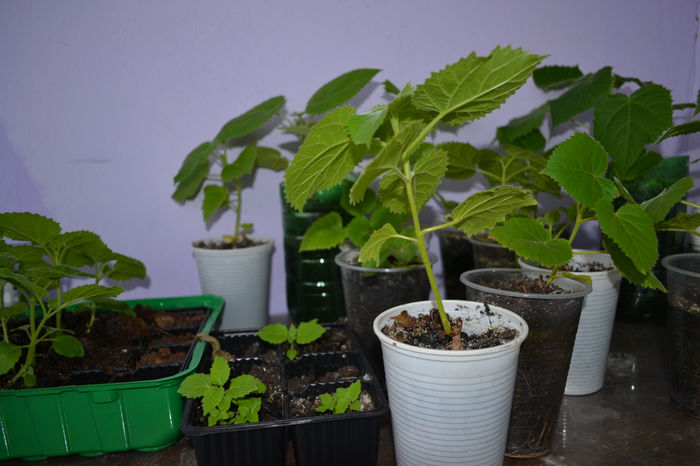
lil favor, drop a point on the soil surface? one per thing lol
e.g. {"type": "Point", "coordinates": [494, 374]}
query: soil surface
{"type": "Point", "coordinates": [588, 267]}
{"type": "Point", "coordinates": [244, 242]}
{"type": "Point", "coordinates": [333, 339]}
{"type": "Point", "coordinates": [298, 384]}
{"type": "Point", "coordinates": [305, 406]}
{"type": "Point", "coordinates": [426, 331]}
{"type": "Point", "coordinates": [534, 286]}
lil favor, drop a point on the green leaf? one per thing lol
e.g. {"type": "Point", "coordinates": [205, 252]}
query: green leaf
{"type": "Point", "coordinates": [68, 346]}
{"type": "Point", "coordinates": [326, 232]}
{"type": "Point", "coordinates": [268, 157]}
{"type": "Point", "coordinates": [292, 333]}
{"type": "Point", "coordinates": [326, 400]}
{"type": "Point", "coordinates": [291, 354]}
{"type": "Point", "coordinates": [534, 140]}
{"type": "Point", "coordinates": [389, 157]}
{"type": "Point", "coordinates": [660, 205]}
{"type": "Point", "coordinates": [579, 165]}
{"type": "Point", "coordinates": [22, 281]}
{"type": "Point", "coordinates": [215, 197]}
{"type": "Point", "coordinates": [323, 160]}
{"type": "Point", "coordinates": [356, 406]}
{"type": "Point", "coordinates": [273, 333]}
{"type": "Point", "coordinates": [623, 191]}
{"type": "Point", "coordinates": [246, 226]}
{"type": "Point", "coordinates": [193, 172]}
{"type": "Point", "coordinates": [474, 86]}
{"type": "Point", "coordinates": [25, 226]}
{"type": "Point", "coordinates": [366, 205]}
{"type": "Point", "coordinates": [27, 255]}
{"type": "Point", "coordinates": [462, 159]}
{"type": "Point", "coordinates": [382, 215]}
{"type": "Point", "coordinates": [9, 355]}
{"type": "Point", "coordinates": [358, 230]}
{"type": "Point", "coordinates": [681, 222]}
{"type": "Point", "coordinates": [125, 268]}
{"type": "Point", "coordinates": [521, 126]}
{"type": "Point", "coordinates": [363, 126]}
{"type": "Point", "coordinates": [86, 248]}
{"type": "Point", "coordinates": [114, 305]}
{"type": "Point", "coordinates": [13, 311]}
{"type": "Point", "coordinates": [625, 124]}
{"type": "Point", "coordinates": [585, 94]}
{"type": "Point", "coordinates": [682, 129]}
{"type": "Point", "coordinates": [390, 88]}
{"type": "Point", "coordinates": [529, 239]}
{"type": "Point", "coordinates": [644, 164]}
{"type": "Point", "coordinates": [632, 230]}
{"type": "Point", "coordinates": [483, 210]}
{"type": "Point", "coordinates": [29, 378]}
{"type": "Point", "coordinates": [309, 331]}
{"type": "Point", "coordinates": [627, 268]}
{"type": "Point", "coordinates": [87, 292]}
{"type": "Point", "coordinates": [243, 385]}
{"type": "Point", "coordinates": [549, 78]}
{"type": "Point", "coordinates": [354, 390]}
{"type": "Point", "coordinates": [211, 398]}
{"type": "Point", "coordinates": [248, 411]}
{"type": "Point", "coordinates": [251, 120]}
{"type": "Point", "coordinates": [220, 371]}
{"type": "Point", "coordinates": [243, 165]}
{"type": "Point", "coordinates": [339, 90]}
{"type": "Point", "coordinates": [371, 251]}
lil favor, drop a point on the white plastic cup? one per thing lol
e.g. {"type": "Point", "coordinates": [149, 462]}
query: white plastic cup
{"type": "Point", "coordinates": [451, 407]}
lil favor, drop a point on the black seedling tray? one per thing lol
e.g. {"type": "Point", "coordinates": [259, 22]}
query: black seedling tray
{"type": "Point", "coordinates": [327, 439]}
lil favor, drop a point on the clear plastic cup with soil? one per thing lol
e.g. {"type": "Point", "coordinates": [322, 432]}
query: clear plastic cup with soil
{"type": "Point", "coordinates": [371, 291]}
{"type": "Point", "coordinates": [456, 256]}
{"type": "Point", "coordinates": [487, 253]}
{"type": "Point", "coordinates": [683, 273]}
{"type": "Point", "coordinates": [552, 312]}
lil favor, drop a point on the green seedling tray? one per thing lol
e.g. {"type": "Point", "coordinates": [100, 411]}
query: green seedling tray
{"type": "Point", "coordinates": [94, 419]}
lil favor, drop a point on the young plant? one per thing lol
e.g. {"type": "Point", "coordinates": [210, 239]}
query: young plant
{"type": "Point", "coordinates": [210, 167]}
{"type": "Point", "coordinates": [40, 265]}
{"type": "Point", "coordinates": [307, 332]}
{"type": "Point", "coordinates": [238, 403]}
{"type": "Point", "coordinates": [411, 169]}
{"type": "Point", "coordinates": [342, 401]}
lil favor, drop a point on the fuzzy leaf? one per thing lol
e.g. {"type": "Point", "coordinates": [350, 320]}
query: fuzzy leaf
{"type": "Point", "coordinates": [555, 77]}
{"type": "Point", "coordinates": [292, 333]}
{"type": "Point", "coordinates": [339, 90]}
{"type": "Point", "coordinates": [9, 355]}
{"type": "Point", "coordinates": [114, 305]}
{"type": "Point", "coordinates": [579, 165]}
{"type": "Point", "coordinates": [682, 129]}
{"type": "Point", "coordinates": [483, 210]}
{"type": "Point", "coordinates": [248, 411]}
{"type": "Point", "coordinates": [326, 400]}
{"type": "Point", "coordinates": [68, 346]}
{"type": "Point", "coordinates": [529, 239]}
{"type": "Point", "coordinates": [625, 124]}
{"type": "Point", "coordinates": [251, 120]}
{"type": "Point", "coordinates": [243, 385]}
{"type": "Point", "coordinates": [462, 159]}
{"type": "Point", "coordinates": [193, 172]}
{"type": "Point", "coordinates": [627, 268]}
{"type": "Point", "coordinates": [291, 354]}
{"type": "Point", "coordinates": [326, 232]}
{"type": "Point", "coordinates": [390, 88]}
{"type": "Point", "coordinates": [323, 160]}
{"type": "Point", "coordinates": [309, 331]}
{"type": "Point", "coordinates": [382, 215]}
{"type": "Point", "coordinates": [273, 333]}
{"type": "Point", "coordinates": [389, 157]}
{"type": "Point", "coordinates": [220, 371]}
{"type": "Point", "coordinates": [371, 251]}
{"type": "Point", "coordinates": [659, 206]}
{"type": "Point", "coordinates": [521, 126]}
{"type": "Point", "coordinates": [87, 292]}
{"type": "Point", "coordinates": [125, 268]}
{"type": "Point", "coordinates": [215, 197]}
{"type": "Point", "coordinates": [243, 165]}
{"type": "Point", "coordinates": [363, 126]}
{"type": "Point", "coordinates": [13, 311]}
{"type": "Point", "coordinates": [585, 94]}
{"type": "Point", "coordinates": [195, 385]}
{"type": "Point", "coordinates": [22, 281]}
{"type": "Point", "coordinates": [645, 162]}
{"type": "Point", "coordinates": [268, 157]}
{"type": "Point", "coordinates": [25, 226]}
{"type": "Point", "coordinates": [91, 250]}
{"type": "Point", "coordinates": [632, 230]}
{"type": "Point", "coordinates": [534, 140]}
{"type": "Point", "coordinates": [366, 205]}
{"type": "Point", "coordinates": [358, 230]}
{"type": "Point", "coordinates": [474, 86]}
{"type": "Point", "coordinates": [681, 222]}
{"type": "Point", "coordinates": [211, 398]}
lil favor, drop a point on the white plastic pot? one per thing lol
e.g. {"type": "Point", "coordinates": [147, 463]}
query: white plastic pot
{"type": "Point", "coordinates": [695, 241]}
{"type": "Point", "coordinates": [242, 278]}
{"type": "Point", "coordinates": [451, 407]}
{"type": "Point", "coordinates": [590, 355]}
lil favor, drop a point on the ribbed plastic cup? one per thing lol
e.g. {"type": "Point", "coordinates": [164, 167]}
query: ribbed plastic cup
{"type": "Point", "coordinates": [590, 356]}
{"type": "Point", "coordinates": [451, 407]}
{"type": "Point", "coordinates": [242, 278]}
{"type": "Point", "coordinates": [489, 254]}
{"type": "Point", "coordinates": [695, 241]}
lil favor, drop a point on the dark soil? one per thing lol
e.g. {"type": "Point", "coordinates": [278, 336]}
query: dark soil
{"type": "Point", "coordinates": [588, 267]}
{"type": "Point", "coordinates": [298, 384]}
{"type": "Point", "coordinates": [162, 355]}
{"type": "Point", "coordinates": [305, 406]}
{"type": "Point", "coordinates": [334, 339]}
{"type": "Point", "coordinates": [244, 242]}
{"type": "Point", "coordinates": [536, 286]}
{"type": "Point", "coordinates": [426, 331]}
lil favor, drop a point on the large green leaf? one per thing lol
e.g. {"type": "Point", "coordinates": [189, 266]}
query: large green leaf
{"type": "Point", "coordinates": [632, 230]}
{"type": "Point", "coordinates": [325, 233]}
{"type": "Point", "coordinates": [220, 371]}
{"type": "Point", "coordinates": [681, 222]}
{"type": "Point", "coordinates": [125, 268]}
{"type": "Point", "coordinates": [625, 124]}
{"type": "Point", "coordinates": [309, 331]}
{"type": "Point", "coordinates": [555, 77]}
{"type": "Point", "coordinates": [89, 252]}
{"type": "Point", "coordinates": [389, 157]}
{"type": "Point", "coordinates": [273, 333]}
{"type": "Point", "coordinates": [474, 86]}
{"type": "Point", "coordinates": [323, 160]}
{"type": "Point", "coordinates": [366, 205]}
{"type": "Point", "coordinates": [382, 215]}
{"type": "Point", "coordinates": [483, 210]}
{"type": "Point", "coordinates": [243, 385]}
{"type": "Point", "coordinates": [215, 197]}
{"type": "Point", "coordinates": [195, 161]}
{"type": "Point", "coordinates": [339, 90]}
{"type": "Point", "coordinates": [645, 162]}
{"type": "Point", "coordinates": [251, 120]}
{"type": "Point", "coordinates": [363, 125]}
{"type": "Point", "coordinates": [195, 385]}
{"type": "Point", "coordinates": [584, 95]}
{"type": "Point", "coordinates": [270, 158]}
{"type": "Point", "coordinates": [371, 251]}
{"type": "Point", "coordinates": [23, 282]}
{"type": "Point", "coordinates": [529, 239]}
{"type": "Point", "coordinates": [682, 129]}
{"type": "Point", "coordinates": [462, 159]}
{"type": "Point", "coordinates": [26, 226]}
{"type": "Point", "coordinates": [87, 292]}
{"type": "Point", "coordinates": [660, 205]}
{"type": "Point", "coordinates": [579, 165]}
{"type": "Point", "coordinates": [9, 355]}
{"type": "Point", "coordinates": [68, 346]}
{"type": "Point", "coordinates": [243, 165]}
{"type": "Point", "coordinates": [521, 126]}
{"type": "Point", "coordinates": [358, 230]}
{"type": "Point", "coordinates": [627, 268]}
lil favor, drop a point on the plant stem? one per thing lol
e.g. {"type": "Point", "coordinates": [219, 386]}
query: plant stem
{"type": "Point", "coordinates": [239, 189]}
{"type": "Point", "coordinates": [577, 224]}
{"type": "Point", "coordinates": [691, 204]}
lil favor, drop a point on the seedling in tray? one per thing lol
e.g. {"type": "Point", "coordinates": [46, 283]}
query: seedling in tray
{"type": "Point", "coordinates": [342, 401]}
{"type": "Point", "coordinates": [304, 334]}
{"type": "Point", "coordinates": [217, 400]}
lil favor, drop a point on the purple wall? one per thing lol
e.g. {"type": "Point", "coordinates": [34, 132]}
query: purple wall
{"type": "Point", "coordinates": [100, 101]}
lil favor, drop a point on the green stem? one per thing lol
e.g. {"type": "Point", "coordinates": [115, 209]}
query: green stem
{"type": "Point", "coordinates": [577, 225]}
{"type": "Point", "coordinates": [239, 189]}
{"type": "Point", "coordinates": [581, 253]}
{"type": "Point", "coordinates": [438, 227]}
{"type": "Point", "coordinates": [581, 124]}
{"type": "Point", "coordinates": [5, 335]}
{"type": "Point", "coordinates": [691, 204]}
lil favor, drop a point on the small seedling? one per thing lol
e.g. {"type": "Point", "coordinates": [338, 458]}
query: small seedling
{"type": "Point", "coordinates": [217, 401]}
{"type": "Point", "coordinates": [302, 335]}
{"type": "Point", "coordinates": [342, 401]}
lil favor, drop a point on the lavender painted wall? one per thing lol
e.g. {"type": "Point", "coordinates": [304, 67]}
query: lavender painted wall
{"type": "Point", "coordinates": [100, 101]}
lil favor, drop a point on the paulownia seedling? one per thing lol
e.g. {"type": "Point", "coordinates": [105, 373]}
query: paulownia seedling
{"type": "Point", "coordinates": [342, 401]}
{"type": "Point", "coordinates": [302, 335]}
{"type": "Point", "coordinates": [239, 403]}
